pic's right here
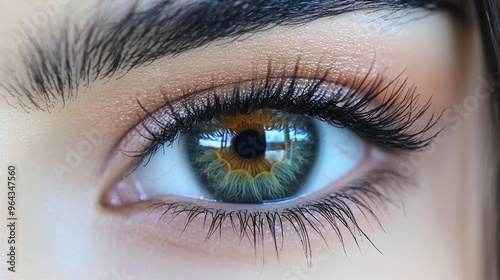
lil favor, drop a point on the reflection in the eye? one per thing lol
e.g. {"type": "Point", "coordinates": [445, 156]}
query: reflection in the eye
{"type": "Point", "coordinates": [252, 158]}
{"type": "Point", "coordinates": [273, 143]}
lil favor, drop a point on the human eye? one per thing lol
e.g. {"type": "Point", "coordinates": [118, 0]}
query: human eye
{"type": "Point", "coordinates": [270, 155]}
{"type": "Point", "coordinates": [223, 139]}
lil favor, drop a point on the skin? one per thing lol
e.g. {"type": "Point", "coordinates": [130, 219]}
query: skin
{"type": "Point", "coordinates": [65, 232]}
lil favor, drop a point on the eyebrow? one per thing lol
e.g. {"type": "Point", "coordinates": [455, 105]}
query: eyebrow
{"type": "Point", "coordinates": [55, 67]}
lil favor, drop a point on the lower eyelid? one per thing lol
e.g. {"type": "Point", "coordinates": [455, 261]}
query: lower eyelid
{"type": "Point", "coordinates": [197, 227]}
{"type": "Point", "coordinates": [189, 224]}
{"type": "Point", "coordinates": [171, 214]}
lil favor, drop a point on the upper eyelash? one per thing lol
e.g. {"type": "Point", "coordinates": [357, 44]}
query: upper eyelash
{"type": "Point", "coordinates": [389, 124]}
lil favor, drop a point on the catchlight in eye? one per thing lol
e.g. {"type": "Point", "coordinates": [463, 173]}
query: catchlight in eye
{"type": "Point", "coordinates": [262, 156]}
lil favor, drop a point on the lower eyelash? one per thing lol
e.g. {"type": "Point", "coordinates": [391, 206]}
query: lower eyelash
{"type": "Point", "coordinates": [375, 191]}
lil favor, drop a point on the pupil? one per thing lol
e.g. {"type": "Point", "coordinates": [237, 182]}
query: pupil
{"type": "Point", "coordinates": [253, 158]}
{"type": "Point", "coordinates": [250, 144]}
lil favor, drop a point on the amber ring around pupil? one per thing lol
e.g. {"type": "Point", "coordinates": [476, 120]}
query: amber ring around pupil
{"type": "Point", "coordinates": [253, 158]}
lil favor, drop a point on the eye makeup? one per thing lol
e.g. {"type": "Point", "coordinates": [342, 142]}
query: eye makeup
{"type": "Point", "coordinates": [396, 124]}
{"type": "Point", "coordinates": [391, 123]}
{"type": "Point", "coordinates": [353, 88]}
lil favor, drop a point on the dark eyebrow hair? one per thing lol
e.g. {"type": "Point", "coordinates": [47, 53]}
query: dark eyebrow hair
{"type": "Point", "coordinates": [75, 57]}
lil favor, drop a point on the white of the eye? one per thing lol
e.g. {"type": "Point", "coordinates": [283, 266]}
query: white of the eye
{"type": "Point", "coordinates": [340, 152]}
{"type": "Point", "coordinates": [169, 173]}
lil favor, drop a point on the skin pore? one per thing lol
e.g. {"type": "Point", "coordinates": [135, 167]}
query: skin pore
{"type": "Point", "coordinates": [66, 233]}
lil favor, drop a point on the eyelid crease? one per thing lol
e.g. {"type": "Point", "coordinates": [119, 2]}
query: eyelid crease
{"type": "Point", "coordinates": [390, 123]}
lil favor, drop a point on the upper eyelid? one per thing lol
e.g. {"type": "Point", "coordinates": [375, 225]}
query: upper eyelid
{"type": "Point", "coordinates": [56, 70]}
{"type": "Point", "coordinates": [154, 125]}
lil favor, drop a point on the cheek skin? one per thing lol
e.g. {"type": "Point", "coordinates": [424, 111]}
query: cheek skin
{"type": "Point", "coordinates": [63, 212]}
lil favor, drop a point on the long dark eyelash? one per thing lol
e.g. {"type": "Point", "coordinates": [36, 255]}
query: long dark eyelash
{"type": "Point", "coordinates": [389, 124]}
{"type": "Point", "coordinates": [332, 212]}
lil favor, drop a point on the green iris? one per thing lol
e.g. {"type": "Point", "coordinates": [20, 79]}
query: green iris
{"type": "Point", "coordinates": [262, 156]}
